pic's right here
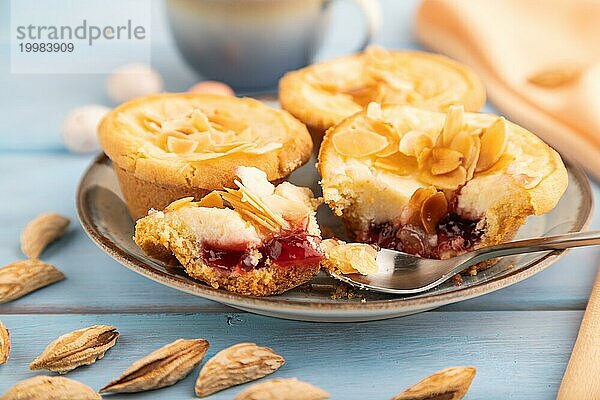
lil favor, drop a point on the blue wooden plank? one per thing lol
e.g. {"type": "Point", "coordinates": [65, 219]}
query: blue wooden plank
{"type": "Point", "coordinates": [96, 283]}
{"type": "Point", "coordinates": [518, 355]}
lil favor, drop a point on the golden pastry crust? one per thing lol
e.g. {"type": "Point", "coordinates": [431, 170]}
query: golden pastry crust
{"type": "Point", "coordinates": [147, 140]}
{"type": "Point", "coordinates": [322, 95]}
{"type": "Point", "coordinates": [161, 238]}
{"type": "Point", "coordinates": [527, 178]}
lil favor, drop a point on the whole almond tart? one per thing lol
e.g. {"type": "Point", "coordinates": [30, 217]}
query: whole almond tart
{"type": "Point", "coordinates": [168, 146]}
{"type": "Point", "coordinates": [436, 184]}
{"type": "Point", "coordinates": [258, 239]}
{"type": "Point", "coordinates": [322, 95]}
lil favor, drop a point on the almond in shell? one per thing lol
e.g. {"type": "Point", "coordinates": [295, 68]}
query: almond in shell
{"type": "Point", "coordinates": [163, 367]}
{"type": "Point", "coordinates": [4, 343]}
{"type": "Point", "coordinates": [80, 347]}
{"type": "Point", "coordinates": [42, 231]}
{"type": "Point", "coordinates": [447, 384]}
{"type": "Point", "coordinates": [50, 388]}
{"type": "Point", "coordinates": [241, 363]}
{"type": "Point", "coordinates": [282, 389]}
{"type": "Point", "coordinates": [23, 277]}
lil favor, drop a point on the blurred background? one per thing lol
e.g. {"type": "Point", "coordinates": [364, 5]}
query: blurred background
{"type": "Point", "coordinates": [58, 94]}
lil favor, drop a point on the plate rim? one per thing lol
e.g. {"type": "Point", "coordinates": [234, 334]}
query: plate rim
{"type": "Point", "coordinates": [268, 304]}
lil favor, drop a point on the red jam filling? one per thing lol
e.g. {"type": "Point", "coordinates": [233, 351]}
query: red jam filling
{"type": "Point", "coordinates": [454, 235]}
{"type": "Point", "coordinates": [284, 250]}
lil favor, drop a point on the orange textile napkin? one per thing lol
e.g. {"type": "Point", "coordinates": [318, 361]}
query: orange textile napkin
{"type": "Point", "coordinates": [539, 60]}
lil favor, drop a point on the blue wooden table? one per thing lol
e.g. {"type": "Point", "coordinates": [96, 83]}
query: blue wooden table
{"type": "Point", "coordinates": [519, 338]}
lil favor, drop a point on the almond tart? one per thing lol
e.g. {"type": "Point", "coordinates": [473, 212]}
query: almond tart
{"type": "Point", "coordinates": [168, 146]}
{"type": "Point", "coordinates": [255, 240]}
{"type": "Point", "coordinates": [436, 184]}
{"type": "Point", "coordinates": [322, 95]}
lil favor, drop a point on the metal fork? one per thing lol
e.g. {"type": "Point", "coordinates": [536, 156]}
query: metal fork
{"type": "Point", "coordinates": [402, 273]}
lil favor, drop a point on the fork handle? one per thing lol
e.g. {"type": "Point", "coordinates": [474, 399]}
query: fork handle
{"type": "Point", "coordinates": [559, 242]}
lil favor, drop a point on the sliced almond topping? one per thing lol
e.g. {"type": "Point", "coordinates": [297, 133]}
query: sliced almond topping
{"type": "Point", "coordinates": [228, 146]}
{"type": "Point", "coordinates": [389, 132]}
{"type": "Point", "coordinates": [258, 203]}
{"type": "Point", "coordinates": [212, 200]}
{"type": "Point", "coordinates": [203, 139]}
{"type": "Point", "coordinates": [353, 258]}
{"type": "Point", "coordinates": [397, 163]}
{"type": "Point", "coordinates": [433, 209]}
{"type": "Point", "coordinates": [462, 142]}
{"type": "Point", "coordinates": [181, 146]}
{"type": "Point", "coordinates": [444, 160]}
{"type": "Point", "coordinates": [200, 121]}
{"type": "Point", "coordinates": [358, 143]}
{"type": "Point", "coordinates": [470, 160]}
{"type": "Point", "coordinates": [247, 135]}
{"type": "Point", "coordinates": [468, 145]}
{"type": "Point", "coordinates": [253, 208]}
{"type": "Point", "coordinates": [259, 219]}
{"type": "Point", "coordinates": [413, 143]}
{"type": "Point", "coordinates": [151, 126]}
{"type": "Point", "coordinates": [181, 124]}
{"type": "Point", "coordinates": [453, 124]}
{"type": "Point", "coordinates": [177, 204]}
{"type": "Point", "coordinates": [393, 80]}
{"type": "Point", "coordinates": [374, 110]}
{"type": "Point", "coordinates": [264, 149]}
{"type": "Point", "coordinates": [493, 144]}
{"type": "Point", "coordinates": [424, 158]}
{"type": "Point", "coordinates": [451, 180]}
{"type": "Point", "coordinates": [228, 122]}
{"type": "Point", "coordinates": [151, 117]}
{"type": "Point", "coordinates": [411, 214]}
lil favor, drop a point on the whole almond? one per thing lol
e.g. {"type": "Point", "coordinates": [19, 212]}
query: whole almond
{"type": "Point", "coordinates": [282, 389]}
{"type": "Point", "coordinates": [50, 388]}
{"type": "Point", "coordinates": [447, 384]}
{"type": "Point", "coordinates": [23, 277]}
{"type": "Point", "coordinates": [163, 367]}
{"type": "Point", "coordinates": [4, 343]}
{"type": "Point", "coordinates": [42, 231]}
{"type": "Point", "coordinates": [80, 347]}
{"type": "Point", "coordinates": [235, 365]}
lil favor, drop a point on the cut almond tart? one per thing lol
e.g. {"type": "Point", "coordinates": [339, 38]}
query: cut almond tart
{"type": "Point", "coordinates": [258, 239]}
{"type": "Point", "coordinates": [457, 181]}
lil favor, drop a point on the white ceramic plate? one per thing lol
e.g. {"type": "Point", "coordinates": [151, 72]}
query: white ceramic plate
{"type": "Point", "coordinates": [104, 216]}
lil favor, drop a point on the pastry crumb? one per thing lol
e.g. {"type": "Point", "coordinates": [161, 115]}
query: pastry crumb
{"type": "Point", "coordinates": [457, 280]}
{"type": "Point", "coordinates": [343, 291]}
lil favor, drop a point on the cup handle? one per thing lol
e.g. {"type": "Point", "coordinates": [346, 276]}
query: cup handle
{"type": "Point", "coordinates": [371, 11]}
